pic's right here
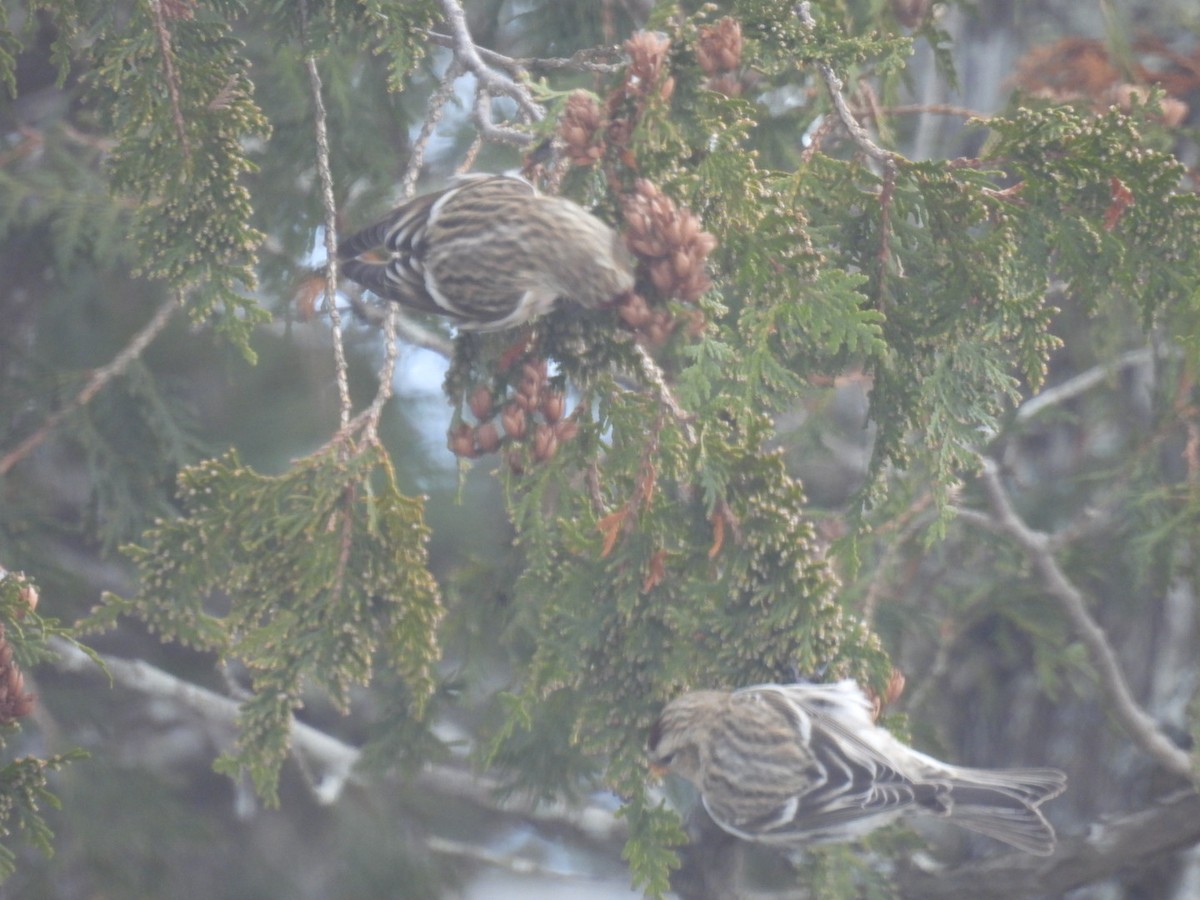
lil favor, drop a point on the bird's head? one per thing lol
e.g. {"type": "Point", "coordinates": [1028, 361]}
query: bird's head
{"type": "Point", "coordinates": [679, 739]}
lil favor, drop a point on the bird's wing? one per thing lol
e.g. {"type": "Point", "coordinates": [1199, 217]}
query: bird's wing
{"type": "Point", "coordinates": [395, 229]}
{"type": "Point", "coordinates": [395, 282]}
{"type": "Point", "coordinates": [851, 786]}
{"type": "Point", "coordinates": [402, 229]}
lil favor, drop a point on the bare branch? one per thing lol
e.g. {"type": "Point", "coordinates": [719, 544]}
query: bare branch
{"type": "Point", "coordinates": [332, 760]}
{"type": "Point", "coordinates": [474, 853]}
{"type": "Point", "coordinates": [1104, 850]}
{"type": "Point", "coordinates": [1038, 549]}
{"type": "Point", "coordinates": [654, 375]}
{"type": "Point", "coordinates": [433, 115]}
{"type": "Point", "coordinates": [100, 377]}
{"type": "Point", "coordinates": [590, 59]}
{"type": "Point", "coordinates": [335, 318]}
{"type": "Point", "coordinates": [491, 81]}
{"type": "Point", "coordinates": [833, 83]}
{"type": "Point", "coordinates": [488, 129]}
{"type": "Point", "coordinates": [1083, 382]}
{"type": "Point", "coordinates": [933, 109]}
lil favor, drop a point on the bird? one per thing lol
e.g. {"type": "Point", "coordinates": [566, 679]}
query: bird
{"type": "Point", "coordinates": [797, 764]}
{"type": "Point", "coordinates": [489, 253]}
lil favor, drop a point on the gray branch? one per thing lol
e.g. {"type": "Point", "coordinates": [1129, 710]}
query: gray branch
{"type": "Point", "coordinates": [1038, 549]}
{"type": "Point", "coordinates": [1129, 841]}
{"type": "Point", "coordinates": [334, 762]}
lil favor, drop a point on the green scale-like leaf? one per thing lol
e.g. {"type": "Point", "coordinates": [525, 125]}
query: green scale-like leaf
{"type": "Point", "coordinates": [306, 577]}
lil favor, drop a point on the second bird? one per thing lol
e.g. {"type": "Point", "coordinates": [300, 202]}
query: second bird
{"type": "Point", "coordinates": [804, 763]}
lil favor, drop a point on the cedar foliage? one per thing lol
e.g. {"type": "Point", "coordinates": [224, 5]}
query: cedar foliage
{"type": "Point", "coordinates": [657, 552]}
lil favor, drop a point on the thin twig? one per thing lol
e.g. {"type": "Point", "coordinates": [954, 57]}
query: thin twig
{"type": "Point", "coordinates": [510, 861]}
{"type": "Point", "coordinates": [170, 76]}
{"type": "Point", "coordinates": [433, 115]}
{"type": "Point", "coordinates": [586, 60]}
{"type": "Point", "coordinates": [886, 158]}
{"type": "Point", "coordinates": [330, 207]}
{"type": "Point", "coordinates": [833, 83]}
{"type": "Point", "coordinates": [1083, 382]}
{"type": "Point", "coordinates": [488, 129]}
{"type": "Point", "coordinates": [909, 109]}
{"type": "Point", "coordinates": [1037, 547]}
{"type": "Point", "coordinates": [391, 352]}
{"type": "Point", "coordinates": [99, 378]}
{"type": "Point", "coordinates": [654, 375]}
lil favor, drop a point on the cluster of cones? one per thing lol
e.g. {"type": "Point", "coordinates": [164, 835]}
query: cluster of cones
{"type": "Point", "coordinates": [532, 420]}
{"type": "Point", "coordinates": [668, 240]}
{"type": "Point", "coordinates": [719, 52]}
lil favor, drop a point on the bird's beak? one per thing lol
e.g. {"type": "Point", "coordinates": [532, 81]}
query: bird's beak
{"type": "Point", "coordinates": [658, 771]}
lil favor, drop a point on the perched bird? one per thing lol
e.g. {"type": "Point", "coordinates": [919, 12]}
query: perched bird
{"type": "Point", "coordinates": [804, 763]}
{"type": "Point", "coordinates": [490, 253]}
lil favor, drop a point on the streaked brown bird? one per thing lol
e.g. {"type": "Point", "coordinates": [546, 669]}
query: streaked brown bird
{"type": "Point", "coordinates": [804, 763]}
{"type": "Point", "coordinates": [490, 253]}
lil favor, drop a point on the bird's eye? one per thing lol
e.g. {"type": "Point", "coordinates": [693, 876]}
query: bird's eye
{"type": "Point", "coordinates": [665, 759]}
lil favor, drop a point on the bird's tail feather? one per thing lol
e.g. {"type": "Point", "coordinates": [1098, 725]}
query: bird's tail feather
{"type": "Point", "coordinates": [1024, 828]}
{"type": "Point", "coordinates": [1003, 804]}
{"type": "Point", "coordinates": [1029, 787]}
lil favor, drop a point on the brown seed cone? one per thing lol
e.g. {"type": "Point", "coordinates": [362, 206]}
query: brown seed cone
{"type": "Point", "coordinates": [481, 402]}
{"type": "Point", "coordinates": [581, 128]}
{"type": "Point", "coordinates": [671, 238]}
{"type": "Point", "coordinates": [633, 311]}
{"type": "Point", "coordinates": [461, 440]}
{"type": "Point", "coordinates": [727, 83]}
{"type": "Point", "coordinates": [487, 438]}
{"type": "Point", "coordinates": [910, 13]}
{"type": "Point", "coordinates": [553, 405]}
{"type": "Point", "coordinates": [512, 420]}
{"type": "Point", "coordinates": [647, 53]}
{"type": "Point", "coordinates": [719, 48]}
{"type": "Point", "coordinates": [566, 430]}
{"type": "Point", "coordinates": [545, 443]}
{"type": "Point", "coordinates": [14, 702]}
{"type": "Point", "coordinates": [29, 596]}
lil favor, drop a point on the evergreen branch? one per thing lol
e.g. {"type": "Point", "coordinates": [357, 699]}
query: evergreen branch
{"type": "Point", "coordinates": [1039, 551]}
{"type": "Point", "coordinates": [99, 378]}
{"type": "Point", "coordinates": [330, 207]}
{"type": "Point", "coordinates": [164, 46]}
